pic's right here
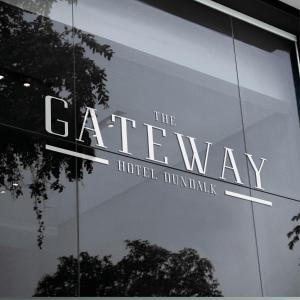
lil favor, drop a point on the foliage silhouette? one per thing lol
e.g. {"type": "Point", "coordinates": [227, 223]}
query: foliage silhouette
{"type": "Point", "coordinates": [293, 235]}
{"type": "Point", "coordinates": [43, 52]}
{"type": "Point", "coordinates": [147, 270]}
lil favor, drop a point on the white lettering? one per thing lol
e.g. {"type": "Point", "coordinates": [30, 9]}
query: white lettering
{"type": "Point", "coordinates": [190, 165]}
{"type": "Point", "coordinates": [229, 153]}
{"type": "Point", "coordinates": [256, 170]}
{"type": "Point", "coordinates": [151, 143]}
{"type": "Point", "coordinates": [48, 116]}
{"type": "Point", "coordinates": [124, 136]}
{"type": "Point", "coordinates": [96, 128]}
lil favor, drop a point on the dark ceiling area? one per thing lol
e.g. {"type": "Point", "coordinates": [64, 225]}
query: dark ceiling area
{"type": "Point", "coordinates": [273, 12]}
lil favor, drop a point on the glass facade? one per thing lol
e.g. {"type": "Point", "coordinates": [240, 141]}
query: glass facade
{"type": "Point", "coordinates": [146, 153]}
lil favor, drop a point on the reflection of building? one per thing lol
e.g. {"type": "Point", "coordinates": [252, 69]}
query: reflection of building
{"type": "Point", "coordinates": [227, 79]}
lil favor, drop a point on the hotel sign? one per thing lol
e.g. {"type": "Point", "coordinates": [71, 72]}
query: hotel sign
{"type": "Point", "coordinates": [152, 133]}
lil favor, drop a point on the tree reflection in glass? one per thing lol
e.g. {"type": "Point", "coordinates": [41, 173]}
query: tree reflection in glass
{"type": "Point", "coordinates": [147, 270]}
{"type": "Point", "coordinates": [293, 235]}
{"type": "Point", "coordinates": [38, 60]}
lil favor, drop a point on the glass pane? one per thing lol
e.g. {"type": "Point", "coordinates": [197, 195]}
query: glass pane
{"type": "Point", "coordinates": [158, 212]}
{"type": "Point", "coordinates": [269, 106]}
{"type": "Point", "coordinates": [279, 264]}
{"type": "Point", "coordinates": [159, 63]}
{"type": "Point", "coordinates": [35, 61]}
{"type": "Point", "coordinates": [37, 216]}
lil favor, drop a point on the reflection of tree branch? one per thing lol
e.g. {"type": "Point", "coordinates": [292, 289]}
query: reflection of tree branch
{"type": "Point", "coordinates": [147, 270]}
{"type": "Point", "coordinates": [45, 55]}
{"type": "Point", "coordinates": [294, 233]}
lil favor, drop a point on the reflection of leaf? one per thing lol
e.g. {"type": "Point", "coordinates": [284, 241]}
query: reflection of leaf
{"type": "Point", "coordinates": [296, 218]}
{"type": "Point", "coordinates": [147, 270]}
{"type": "Point", "coordinates": [45, 57]}
{"type": "Point", "coordinates": [294, 234]}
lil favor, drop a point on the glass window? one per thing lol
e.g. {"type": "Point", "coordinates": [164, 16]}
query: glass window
{"type": "Point", "coordinates": [278, 253]}
{"type": "Point", "coordinates": [175, 67]}
{"type": "Point", "coordinates": [164, 207]}
{"type": "Point", "coordinates": [127, 131]}
{"type": "Point", "coordinates": [269, 105]}
{"type": "Point", "coordinates": [37, 216]}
